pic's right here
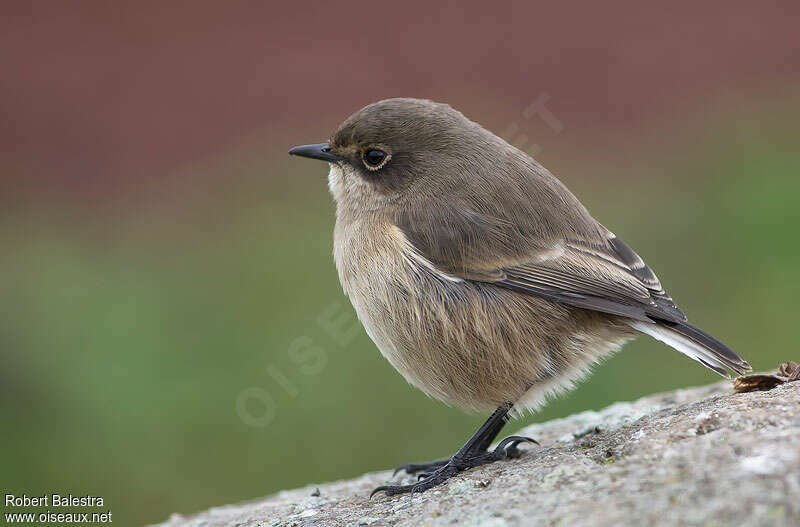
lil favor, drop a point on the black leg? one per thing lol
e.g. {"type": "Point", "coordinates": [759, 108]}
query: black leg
{"type": "Point", "coordinates": [497, 424]}
{"type": "Point", "coordinates": [474, 453]}
{"type": "Point", "coordinates": [485, 435]}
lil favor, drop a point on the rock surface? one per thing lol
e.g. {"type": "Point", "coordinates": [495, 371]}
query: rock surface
{"type": "Point", "coordinates": [702, 456]}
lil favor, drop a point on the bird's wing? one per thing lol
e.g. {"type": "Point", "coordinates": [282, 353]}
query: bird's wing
{"type": "Point", "coordinates": [609, 277]}
{"type": "Point", "coordinates": [593, 269]}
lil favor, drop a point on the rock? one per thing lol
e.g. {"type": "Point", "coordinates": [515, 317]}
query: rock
{"type": "Point", "coordinates": [701, 456]}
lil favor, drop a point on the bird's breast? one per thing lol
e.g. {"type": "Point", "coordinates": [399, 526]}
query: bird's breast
{"type": "Point", "coordinates": [406, 306]}
{"type": "Point", "coordinates": [369, 256]}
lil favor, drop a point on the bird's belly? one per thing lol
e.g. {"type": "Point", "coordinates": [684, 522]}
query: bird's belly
{"type": "Point", "coordinates": [468, 344]}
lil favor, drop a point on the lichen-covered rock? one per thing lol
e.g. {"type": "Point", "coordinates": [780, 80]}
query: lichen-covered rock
{"type": "Point", "coordinates": [702, 456]}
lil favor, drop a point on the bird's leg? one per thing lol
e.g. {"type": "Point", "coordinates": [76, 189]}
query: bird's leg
{"type": "Point", "coordinates": [478, 443]}
{"type": "Point", "coordinates": [475, 452]}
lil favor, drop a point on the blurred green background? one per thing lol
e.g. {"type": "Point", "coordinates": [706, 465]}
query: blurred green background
{"type": "Point", "coordinates": [166, 264]}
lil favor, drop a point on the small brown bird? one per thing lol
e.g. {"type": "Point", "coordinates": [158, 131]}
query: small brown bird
{"type": "Point", "coordinates": [481, 278]}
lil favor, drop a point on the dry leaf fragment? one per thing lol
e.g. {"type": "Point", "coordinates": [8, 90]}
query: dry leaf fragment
{"type": "Point", "coordinates": [787, 372]}
{"type": "Point", "coordinates": [757, 382]}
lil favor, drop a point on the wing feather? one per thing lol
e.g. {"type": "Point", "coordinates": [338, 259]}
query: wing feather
{"type": "Point", "coordinates": [602, 273]}
{"type": "Point", "coordinates": [597, 279]}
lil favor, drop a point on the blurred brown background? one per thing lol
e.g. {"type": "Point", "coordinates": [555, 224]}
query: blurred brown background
{"type": "Point", "coordinates": [163, 257]}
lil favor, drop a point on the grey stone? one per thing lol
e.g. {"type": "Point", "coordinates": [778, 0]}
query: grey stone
{"type": "Point", "coordinates": [701, 456]}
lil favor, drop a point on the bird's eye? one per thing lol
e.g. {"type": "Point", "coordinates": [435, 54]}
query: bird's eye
{"type": "Point", "coordinates": [374, 158]}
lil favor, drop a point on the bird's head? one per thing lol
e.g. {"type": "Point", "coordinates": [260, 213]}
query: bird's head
{"type": "Point", "coordinates": [400, 148]}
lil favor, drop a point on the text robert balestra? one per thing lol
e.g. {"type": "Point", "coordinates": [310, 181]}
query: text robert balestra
{"type": "Point", "coordinates": [53, 500]}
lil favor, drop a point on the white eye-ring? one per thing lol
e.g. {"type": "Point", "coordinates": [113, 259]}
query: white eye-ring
{"type": "Point", "coordinates": [375, 158]}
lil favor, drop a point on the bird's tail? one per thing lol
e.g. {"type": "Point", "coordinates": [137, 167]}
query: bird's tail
{"type": "Point", "coordinates": [695, 343]}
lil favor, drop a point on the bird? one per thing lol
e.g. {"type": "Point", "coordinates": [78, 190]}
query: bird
{"type": "Point", "coordinates": [480, 277]}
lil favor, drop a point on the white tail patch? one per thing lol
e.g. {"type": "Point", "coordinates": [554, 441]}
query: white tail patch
{"type": "Point", "coordinates": [680, 343]}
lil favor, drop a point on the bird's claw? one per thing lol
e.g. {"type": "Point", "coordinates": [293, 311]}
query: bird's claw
{"type": "Point", "coordinates": [437, 472]}
{"type": "Point", "coordinates": [507, 448]}
{"type": "Point", "coordinates": [430, 480]}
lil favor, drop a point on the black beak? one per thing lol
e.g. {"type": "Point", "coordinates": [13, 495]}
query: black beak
{"type": "Point", "coordinates": [320, 151]}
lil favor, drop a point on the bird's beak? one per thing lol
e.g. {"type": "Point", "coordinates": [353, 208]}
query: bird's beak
{"type": "Point", "coordinates": [319, 151]}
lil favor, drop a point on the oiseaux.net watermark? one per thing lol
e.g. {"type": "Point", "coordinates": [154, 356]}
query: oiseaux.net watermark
{"type": "Point", "coordinates": [55, 509]}
{"type": "Point", "coordinates": [537, 108]}
{"type": "Point", "coordinates": [334, 328]}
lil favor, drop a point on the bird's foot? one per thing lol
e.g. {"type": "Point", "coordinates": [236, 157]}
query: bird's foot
{"type": "Point", "coordinates": [414, 468]}
{"type": "Point", "coordinates": [437, 472]}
